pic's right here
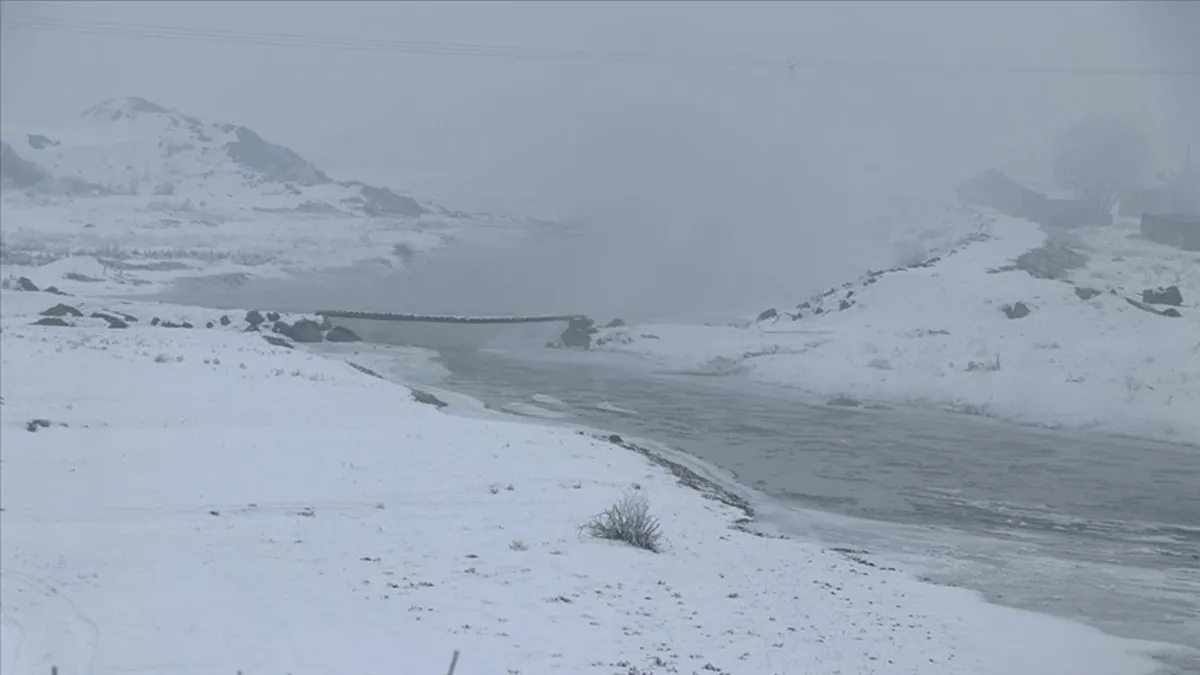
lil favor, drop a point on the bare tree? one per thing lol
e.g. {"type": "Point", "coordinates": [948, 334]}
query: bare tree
{"type": "Point", "coordinates": [1101, 156]}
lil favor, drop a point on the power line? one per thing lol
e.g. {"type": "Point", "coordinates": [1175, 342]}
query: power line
{"type": "Point", "coordinates": [471, 50]}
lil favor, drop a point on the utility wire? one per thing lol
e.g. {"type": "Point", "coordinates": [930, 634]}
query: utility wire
{"type": "Point", "coordinates": [469, 50]}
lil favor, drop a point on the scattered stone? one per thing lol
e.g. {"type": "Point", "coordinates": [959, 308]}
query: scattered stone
{"type": "Point", "coordinates": [579, 332]}
{"type": "Point", "coordinates": [113, 322]}
{"type": "Point", "coordinates": [62, 310]}
{"type": "Point", "coordinates": [844, 305]}
{"type": "Point", "coordinates": [304, 330]}
{"type": "Point", "coordinates": [272, 316]}
{"type": "Point", "coordinates": [767, 314]}
{"type": "Point", "coordinates": [1017, 310]}
{"type": "Point", "coordinates": [280, 327]}
{"type": "Point", "coordinates": [428, 399]}
{"type": "Point", "coordinates": [155, 321]}
{"type": "Point", "coordinates": [51, 321]}
{"type": "Point", "coordinates": [342, 334]}
{"type": "Point", "coordinates": [254, 318]}
{"type": "Point", "coordinates": [225, 321]}
{"type": "Point", "coordinates": [186, 324]}
{"type": "Point", "coordinates": [1170, 312]}
{"type": "Point", "coordinates": [53, 290]}
{"type": "Point", "coordinates": [24, 284]}
{"type": "Point", "coordinates": [172, 324]}
{"type": "Point", "coordinates": [276, 341]}
{"type": "Point", "coordinates": [364, 370]}
{"type": "Point", "coordinates": [33, 425]}
{"type": "Point", "coordinates": [614, 438]}
{"type": "Point", "coordinates": [615, 323]}
{"type": "Point", "coordinates": [1163, 296]}
{"type": "Point", "coordinates": [208, 325]}
{"type": "Point", "coordinates": [1085, 293]}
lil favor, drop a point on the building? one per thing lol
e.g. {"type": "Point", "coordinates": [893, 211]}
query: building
{"type": "Point", "coordinates": [994, 190]}
{"type": "Point", "coordinates": [1181, 231]}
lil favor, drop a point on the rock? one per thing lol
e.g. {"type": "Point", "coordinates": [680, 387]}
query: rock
{"type": "Point", "coordinates": [281, 327]}
{"type": "Point", "coordinates": [276, 341]}
{"type": "Point", "coordinates": [305, 330]}
{"type": "Point", "coordinates": [127, 318]}
{"type": "Point", "coordinates": [272, 316]}
{"type": "Point", "coordinates": [1017, 310]}
{"type": "Point", "coordinates": [225, 320]}
{"type": "Point", "coordinates": [428, 399]}
{"type": "Point", "coordinates": [341, 334]}
{"type": "Point", "coordinates": [1146, 307]}
{"type": "Point", "coordinates": [113, 322]}
{"type": "Point", "coordinates": [53, 290]}
{"type": "Point", "coordinates": [186, 324]}
{"type": "Point", "coordinates": [254, 318]}
{"type": "Point", "coordinates": [1163, 296]}
{"type": "Point", "coordinates": [767, 314]}
{"type": "Point", "coordinates": [615, 323]}
{"type": "Point", "coordinates": [1171, 312]}
{"type": "Point", "coordinates": [575, 337]}
{"type": "Point", "coordinates": [208, 325]}
{"type": "Point", "coordinates": [251, 329]}
{"type": "Point", "coordinates": [155, 321]}
{"type": "Point", "coordinates": [24, 284]}
{"type": "Point", "coordinates": [1085, 293]}
{"type": "Point", "coordinates": [33, 425]}
{"type": "Point", "coordinates": [62, 310]}
{"type": "Point", "coordinates": [844, 305]}
{"type": "Point", "coordinates": [172, 324]}
{"type": "Point", "coordinates": [51, 321]}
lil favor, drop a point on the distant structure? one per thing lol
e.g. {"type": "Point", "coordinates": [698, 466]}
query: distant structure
{"type": "Point", "coordinates": [1181, 231]}
{"type": "Point", "coordinates": [994, 190]}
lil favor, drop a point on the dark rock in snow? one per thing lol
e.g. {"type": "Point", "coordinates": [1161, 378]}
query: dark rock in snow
{"type": "Point", "coordinates": [281, 327]}
{"type": "Point", "coordinates": [579, 332]}
{"type": "Point", "coordinates": [615, 323]}
{"type": "Point", "coordinates": [341, 334]}
{"type": "Point", "coordinates": [53, 290]}
{"type": "Point", "coordinates": [113, 322]}
{"type": "Point", "coordinates": [208, 325]}
{"type": "Point", "coordinates": [155, 321]}
{"type": "Point", "coordinates": [1085, 293]}
{"type": "Point", "coordinates": [844, 305]}
{"type": "Point", "coordinates": [51, 321]}
{"type": "Point", "coordinates": [40, 142]}
{"type": "Point", "coordinates": [305, 330]}
{"type": "Point", "coordinates": [1171, 312]}
{"type": "Point", "coordinates": [254, 318]}
{"type": "Point", "coordinates": [278, 341]}
{"type": "Point", "coordinates": [18, 172]}
{"type": "Point", "coordinates": [172, 324]}
{"type": "Point", "coordinates": [1146, 307]}
{"type": "Point", "coordinates": [1017, 310]}
{"type": "Point", "coordinates": [428, 399]}
{"type": "Point", "coordinates": [62, 310]}
{"type": "Point", "coordinates": [1163, 296]}
{"type": "Point", "coordinates": [225, 321]}
{"type": "Point", "coordinates": [33, 425]}
{"type": "Point", "coordinates": [272, 316]}
{"type": "Point", "coordinates": [186, 324]}
{"type": "Point", "coordinates": [767, 314]}
{"type": "Point", "coordinates": [24, 284]}
{"type": "Point", "coordinates": [275, 162]}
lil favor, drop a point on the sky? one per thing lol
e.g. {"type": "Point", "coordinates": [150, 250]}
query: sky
{"type": "Point", "coordinates": [700, 145]}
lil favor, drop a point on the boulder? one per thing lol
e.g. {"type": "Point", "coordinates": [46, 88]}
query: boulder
{"type": "Point", "coordinates": [113, 322]}
{"type": "Point", "coordinates": [1017, 310]}
{"type": "Point", "coordinates": [272, 316]}
{"type": "Point", "coordinates": [305, 330]}
{"type": "Point", "coordinates": [62, 310]}
{"type": "Point", "coordinates": [341, 334]}
{"type": "Point", "coordinates": [576, 337]}
{"type": "Point", "coordinates": [1085, 293]}
{"type": "Point", "coordinates": [53, 290]}
{"type": "Point", "coordinates": [225, 321]}
{"type": "Point", "coordinates": [24, 284]}
{"type": "Point", "coordinates": [767, 314]}
{"type": "Point", "coordinates": [615, 323]}
{"type": "Point", "coordinates": [1169, 295]}
{"type": "Point", "coordinates": [254, 318]}
{"type": "Point", "coordinates": [51, 321]}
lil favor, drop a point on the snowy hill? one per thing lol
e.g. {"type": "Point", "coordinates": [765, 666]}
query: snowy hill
{"type": "Point", "coordinates": [1089, 329]}
{"type": "Point", "coordinates": [132, 146]}
{"type": "Point", "coordinates": [132, 185]}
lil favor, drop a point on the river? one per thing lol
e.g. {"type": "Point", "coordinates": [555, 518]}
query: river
{"type": "Point", "coordinates": [1099, 529]}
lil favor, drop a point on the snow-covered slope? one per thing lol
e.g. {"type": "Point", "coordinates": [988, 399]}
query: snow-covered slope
{"type": "Point", "coordinates": [1004, 320]}
{"type": "Point", "coordinates": [131, 180]}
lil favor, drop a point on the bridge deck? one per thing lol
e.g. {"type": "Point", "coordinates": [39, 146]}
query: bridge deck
{"type": "Point", "coordinates": [441, 318]}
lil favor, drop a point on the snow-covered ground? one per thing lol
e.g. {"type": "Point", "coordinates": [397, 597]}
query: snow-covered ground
{"type": "Point", "coordinates": [936, 335]}
{"type": "Point", "coordinates": [199, 501]}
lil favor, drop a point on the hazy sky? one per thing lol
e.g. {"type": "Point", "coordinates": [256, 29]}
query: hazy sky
{"type": "Point", "coordinates": [708, 140]}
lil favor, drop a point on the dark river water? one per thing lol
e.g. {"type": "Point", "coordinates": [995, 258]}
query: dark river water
{"type": "Point", "coordinates": [1099, 529]}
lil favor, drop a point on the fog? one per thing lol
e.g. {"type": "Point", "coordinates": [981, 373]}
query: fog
{"type": "Point", "coordinates": [718, 156]}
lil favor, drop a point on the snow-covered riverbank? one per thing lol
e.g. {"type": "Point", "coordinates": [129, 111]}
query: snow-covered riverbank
{"type": "Point", "coordinates": [260, 508]}
{"type": "Point", "coordinates": [1046, 338]}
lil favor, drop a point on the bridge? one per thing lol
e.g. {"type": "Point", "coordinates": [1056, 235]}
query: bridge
{"type": "Point", "coordinates": [447, 318]}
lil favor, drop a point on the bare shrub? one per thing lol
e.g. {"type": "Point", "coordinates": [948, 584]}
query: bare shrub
{"type": "Point", "coordinates": [628, 520]}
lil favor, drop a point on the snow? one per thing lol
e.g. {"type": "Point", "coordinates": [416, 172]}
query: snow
{"type": "Point", "coordinates": [935, 336]}
{"type": "Point", "coordinates": [203, 502]}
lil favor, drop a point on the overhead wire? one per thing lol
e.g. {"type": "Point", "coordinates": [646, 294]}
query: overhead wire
{"type": "Point", "coordinates": [475, 50]}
